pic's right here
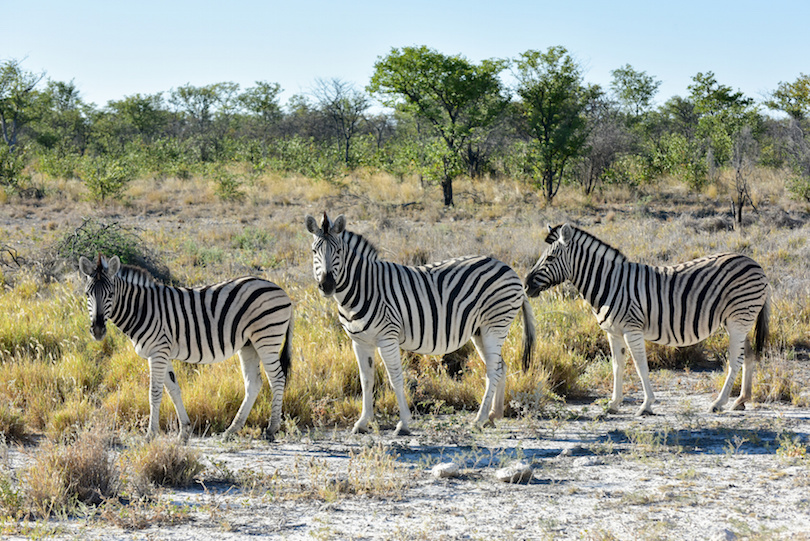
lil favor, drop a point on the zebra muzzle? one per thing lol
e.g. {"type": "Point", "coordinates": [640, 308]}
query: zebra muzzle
{"type": "Point", "coordinates": [327, 285]}
{"type": "Point", "coordinates": [99, 330]}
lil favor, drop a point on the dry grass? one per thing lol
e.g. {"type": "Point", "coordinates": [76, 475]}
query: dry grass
{"type": "Point", "coordinates": [66, 476]}
{"type": "Point", "coordinates": [57, 378]}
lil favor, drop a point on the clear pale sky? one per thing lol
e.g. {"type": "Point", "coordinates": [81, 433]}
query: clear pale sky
{"type": "Point", "coordinates": [112, 49]}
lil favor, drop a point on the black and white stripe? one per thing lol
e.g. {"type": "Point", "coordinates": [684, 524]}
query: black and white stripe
{"type": "Point", "coordinates": [248, 316]}
{"type": "Point", "coordinates": [431, 309]}
{"type": "Point", "coordinates": [678, 305]}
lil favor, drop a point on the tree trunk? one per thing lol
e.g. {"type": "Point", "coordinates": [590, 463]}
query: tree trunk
{"type": "Point", "coordinates": [447, 191]}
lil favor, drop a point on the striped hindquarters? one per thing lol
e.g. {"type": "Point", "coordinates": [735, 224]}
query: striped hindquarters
{"type": "Point", "coordinates": [688, 302]}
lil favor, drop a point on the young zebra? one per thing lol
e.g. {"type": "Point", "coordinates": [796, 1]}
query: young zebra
{"type": "Point", "coordinates": [433, 309]}
{"type": "Point", "coordinates": [676, 306]}
{"type": "Point", "coordinates": [203, 325]}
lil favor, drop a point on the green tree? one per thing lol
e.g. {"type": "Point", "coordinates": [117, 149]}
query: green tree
{"type": "Point", "coordinates": [552, 111]}
{"type": "Point", "coordinates": [792, 98]}
{"type": "Point", "coordinates": [635, 90]}
{"type": "Point", "coordinates": [460, 100]}
{"type": "Point", "coordinates": [17, 97]}
{"type": "Point", "coordinates": [64, 119]}
{"type": "Point", "coordinates": [721, 114]}
{"type": "Point", "coordinates": [144, 115]}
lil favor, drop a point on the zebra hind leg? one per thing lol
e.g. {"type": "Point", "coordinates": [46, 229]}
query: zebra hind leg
{"type": "Point", "coordinates": [489, 348]}
{"type": "Point", "coordinates": [249, 359]}
{"type": "Point", "coordinates": [736, 358]}
{"type": "Point", "coordinates": [275, 375]}
{"type": "Point", "coordinates": [747, 378]}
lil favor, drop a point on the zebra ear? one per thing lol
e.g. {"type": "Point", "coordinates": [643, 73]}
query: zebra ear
{"type": "Point", "coordinates": [86, 266]}
{"type": "Point", "coordinates": [338, 226]}
{"type": "Point", "coordinates": [113, 266]}
{"type": "Point", "coordinates": [550, 229]}
{"type": "Point", "coordinates": [566, 233]}
{"type": "Point", "coordinates": [312, 225]}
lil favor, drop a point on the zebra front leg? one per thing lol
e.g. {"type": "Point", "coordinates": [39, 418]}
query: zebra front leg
{"type": "Point", "coordinates": [618, 354]}
{"type": "Point", "coordinates": [249, 359]}
{"type": "Point", "coordinates": [172, 387]}
{"type": "Point", "coordinates": [365, 362]}
{"type": "Point", "coordinates": [158, 367]}
{"type": "Point", "coordinates": [635, 342]}
{"type": "Point", "coordinates": [389, 351]}
{"type": "Point", "coordinates": [736, 357]}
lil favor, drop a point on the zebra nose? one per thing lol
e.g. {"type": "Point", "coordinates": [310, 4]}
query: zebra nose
{"type": "Point", "coordinates": [327, 284]}
{"type": "Point", "coordinates": [99, 331]}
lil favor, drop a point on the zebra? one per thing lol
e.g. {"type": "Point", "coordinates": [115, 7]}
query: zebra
{"type": "Point", "coordinates": [429, 309]}
{"type": "Point", "coordinates": [676, 305]}
{"type": "Point", "coordinates": [248, 316]}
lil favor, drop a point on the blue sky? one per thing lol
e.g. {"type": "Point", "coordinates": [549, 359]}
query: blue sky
{"type": "Point", "coordinates": [113, 49]}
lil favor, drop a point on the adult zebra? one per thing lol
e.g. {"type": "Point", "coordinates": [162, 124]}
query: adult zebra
{"type": "Point", "coordinates": [678, 306]}
{"type": "Point", "coordinates": [433, 309]}
{"type": "Point", "coordinates": [249, 316]}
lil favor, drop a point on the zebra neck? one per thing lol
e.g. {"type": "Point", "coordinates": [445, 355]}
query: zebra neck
{"type": "Point", "coordinates": [593, 264]}
{"type": "Point", "coordinates": [356, 286]}
{"type": "Point", "coordinates": [131, 302]}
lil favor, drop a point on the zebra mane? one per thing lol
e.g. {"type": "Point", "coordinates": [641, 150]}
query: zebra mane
{"type": "Point", "coordinates": [580, 235]}
{"type": "Point", "coordinates": [360, 246]}
{"type": "Point", "coordinates": [136, 275]}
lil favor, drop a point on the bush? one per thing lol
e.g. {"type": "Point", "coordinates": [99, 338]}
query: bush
{"type": "Point", "coordinates": [799, 187]}
{"type": "Point", "coordinates": [12, 165]}
{"type": "Point", "coordinates": [105, 177]}
{"type": "Point", "coordinates": [163, 462]}
{"type": "Point", "coordinates": [64, 476]}
{"type": "Point", "coordinates": [93, 237]}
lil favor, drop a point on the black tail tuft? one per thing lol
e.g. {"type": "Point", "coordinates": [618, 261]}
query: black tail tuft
{"type": "Point", "coordinates": [762, 328]}
{"type": "Point", "coordinates": [286, 353]}
{"type": "Point", "coordinates": [529, 333]}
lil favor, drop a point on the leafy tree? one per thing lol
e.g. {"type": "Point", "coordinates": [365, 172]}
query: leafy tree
{"type": "Point", "coordinates": [635, 90]}
{"type": "Point", "coordinates": [261, 103]}
{"type": "Point", "coordinates": [792, 98]}
{"type": "Point", "coordinates": [146, 115]}
{"type": "Point", "coordinates": [63, 118]}
{"type": "Point", "coordinates": [17, 97]}
{"type": "Point", "coordinates": [721, 112]}
{"type": "Point", "coordinates": [458, 99]}
{"type": "Point", "coordinates": [552, 111]}
{"type": "Point", "coordinates": [344, 107]}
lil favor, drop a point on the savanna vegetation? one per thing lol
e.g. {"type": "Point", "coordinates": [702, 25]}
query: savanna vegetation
{"type": "Point", "coordinates": [199, 184]}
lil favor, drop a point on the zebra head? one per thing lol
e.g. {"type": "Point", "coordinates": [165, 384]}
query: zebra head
{"type": "Point", "coordinates": [327, 251]}
{"type": "Point", "coordinates": [554, 265]}
{"type": "Point", "coordinates": [99, 288]}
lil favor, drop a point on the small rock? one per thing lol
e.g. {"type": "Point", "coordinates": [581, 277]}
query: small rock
{"type": "Point", "coordinates": [445, 470]}
{"type": "Point", "coordinates": [725, 535]}
{"type": "Point", "coordinates": [586, 461]}
{"type": "Point", "coordinates": [517, 473]}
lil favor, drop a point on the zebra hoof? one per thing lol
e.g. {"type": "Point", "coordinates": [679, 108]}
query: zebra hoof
{"type": "Point", "coordinates": [738, 407]}
{"type": "Point", "coordinates": [402, 431]}
{"type": "Point", "coordinates": [359, 430]}
{"type": "Point", "coordinates": [645, 412]}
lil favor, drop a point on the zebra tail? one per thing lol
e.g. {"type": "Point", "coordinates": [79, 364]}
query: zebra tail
{"type": "Point", "coordinates": [762, 328]}
{"type": "Point", "coordinates": [285, 358]}
{"type": "Point", "coordinates": [529, 333]}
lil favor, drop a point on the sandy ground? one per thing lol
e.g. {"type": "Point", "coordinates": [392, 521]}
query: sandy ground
{"type": "Point", "coordinates": [681, 474]}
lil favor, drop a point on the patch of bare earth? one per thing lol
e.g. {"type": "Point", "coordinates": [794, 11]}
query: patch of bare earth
{"type": "Point", "coordinates": [681, 474]}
